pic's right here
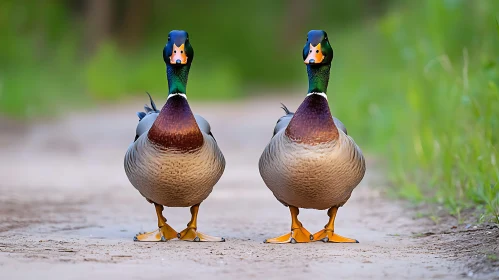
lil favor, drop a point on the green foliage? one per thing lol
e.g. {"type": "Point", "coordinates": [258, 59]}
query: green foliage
{"type": "Point", "coordinates": [111, 75]}
{"type": "Point", "coordinates": [37, 75]}
{"type": "Point", "coordinates": [44, 56]}
{"type": "Point", "coordinates": [426, 97]}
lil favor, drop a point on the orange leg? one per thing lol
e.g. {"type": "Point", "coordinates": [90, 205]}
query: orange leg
{"type": "Point", "coordinates": [163, 233]}
{"type": "Point", "coordinates": [328, 235]}
{"type": "Point", "coordinates": [191, 233]}
{"type": "Point", "coordinates": [298, 232]}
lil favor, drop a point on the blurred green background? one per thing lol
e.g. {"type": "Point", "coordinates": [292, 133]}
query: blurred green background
{"type": "Point", "coordinates": [416, 82]}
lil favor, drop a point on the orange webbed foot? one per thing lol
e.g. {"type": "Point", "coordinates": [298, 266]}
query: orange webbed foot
{"type": "Point", "coordinates": [329, 236]}
{"type": "Point", "coordinates": [297, 235]}
{"type": "Point", "coordinates": [191, 234]}
{"type": "Point", "coordinates": [163, 233]}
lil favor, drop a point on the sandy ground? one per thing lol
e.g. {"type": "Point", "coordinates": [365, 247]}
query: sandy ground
{"type": "Point", "coordinates": [67, 210]}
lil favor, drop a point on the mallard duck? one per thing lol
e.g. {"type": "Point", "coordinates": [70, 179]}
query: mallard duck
{"type": "Point", "coordinates": [311, 161]}
{"type": "Point", "coordinates": [174, 160]}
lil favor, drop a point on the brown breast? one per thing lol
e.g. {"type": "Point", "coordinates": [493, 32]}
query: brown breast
{"type": "Point", "coordinates": [312, 123]}
{"type": "Point", "coordinates": [176, 127]}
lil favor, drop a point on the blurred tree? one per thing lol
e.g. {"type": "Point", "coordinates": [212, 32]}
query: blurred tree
{"type": "Point", "coordinates": [132, 27]}
{"type": "Point", "coordinates": [98, 23]}
{"type": "Point", "coordinates": [295, 18]}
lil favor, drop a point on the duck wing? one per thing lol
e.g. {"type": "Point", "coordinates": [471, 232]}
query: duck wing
{"type": "Point", "coordinates": [283, 121]}
{"type": "Point", "coordinates": [146, 118]}
{"type": "Point", "coordinates": [340, 125]}
{"type": "Point", "coordinates": [204, 126]}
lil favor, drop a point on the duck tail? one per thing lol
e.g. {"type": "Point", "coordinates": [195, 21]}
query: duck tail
{"type": "Point", "coordinates": [152, 102]}
{"type": "Point", "coordinates": [147, 109]}
{"type": "Point", "coordinates": [286, 110]}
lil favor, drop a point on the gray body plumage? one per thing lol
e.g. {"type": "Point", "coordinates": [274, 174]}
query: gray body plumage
{"type": "Point", "coordinates": [318, 176]}
{"type": "Point", "coordinates": [171, 177]}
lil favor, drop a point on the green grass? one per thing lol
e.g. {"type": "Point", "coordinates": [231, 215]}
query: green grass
{"type": "Point", "coordinates": [425, 96]}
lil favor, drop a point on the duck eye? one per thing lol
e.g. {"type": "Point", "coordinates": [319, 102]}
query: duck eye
{"type": "Point", "coordinates": [181, 51]}
{"type": "Point", "coordinates": [175, 51]}
{"type": "Point", "coordinates": [310, 51]}
{"type": "Point", "coordinates": [317, 51]}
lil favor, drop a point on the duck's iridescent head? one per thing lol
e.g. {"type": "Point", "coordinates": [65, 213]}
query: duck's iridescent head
{"type": "Point", "coordinates": [178, 49]}
{"type": "Point", "coordinates": [317, 50]}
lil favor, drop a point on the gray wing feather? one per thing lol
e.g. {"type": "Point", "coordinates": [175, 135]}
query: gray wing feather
{"type": "Point", "coordinates": [203, 124]}
{"type": "Point", "coordinates": [283, 122]}
{"type": "Point", "coordinates": [146, 123]}
{"type": "Point", "coordinates": [147, 118]}
{"type": "Point", "coordinates": [340, 125]}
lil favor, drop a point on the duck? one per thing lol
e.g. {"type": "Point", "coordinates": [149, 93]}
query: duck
{"type": "Point", "coordinates": [174, 160]}
{"type": "Point", "coordinates": [311, 162]}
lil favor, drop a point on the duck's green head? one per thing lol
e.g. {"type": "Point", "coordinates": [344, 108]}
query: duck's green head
{"type": "Point", "coordinates": [178, 49]}
{"type": "Point", "coordinates": [317, 50]}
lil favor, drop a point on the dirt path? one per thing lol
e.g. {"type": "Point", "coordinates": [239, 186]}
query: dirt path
{"type": "Point", "coordinates": [67, 211]}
